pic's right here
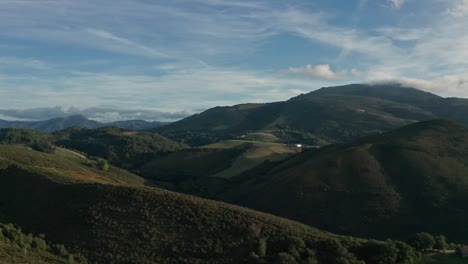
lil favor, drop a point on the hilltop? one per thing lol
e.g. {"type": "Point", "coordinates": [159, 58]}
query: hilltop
{"type": "Point", "coordinates": [328, 115]}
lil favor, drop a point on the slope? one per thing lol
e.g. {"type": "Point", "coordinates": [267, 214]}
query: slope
{"type": "Point", "coordinates": [17, 247]}
{"type": "Point", "coordinates": [401, 182]}
{"type": "Point", "coordinates": [121, 223]}
{"type": "Point", "coordinates": [204, 171]}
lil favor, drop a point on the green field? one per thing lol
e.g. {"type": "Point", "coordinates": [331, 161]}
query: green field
{"type": "Point", "coordinates": [257, 153]}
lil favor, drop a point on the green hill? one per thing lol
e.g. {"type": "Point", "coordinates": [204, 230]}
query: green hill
{"type": "Point", "coordinates": [203, 171]}
{"type": "Point", "coordinates": [122, 147]}
{"type": "Point", "coordinates": [109, 220]}
{"type": "Point", "coordinates": [391, 185]}
{"type": "Point", "coordinates": [328, 115]}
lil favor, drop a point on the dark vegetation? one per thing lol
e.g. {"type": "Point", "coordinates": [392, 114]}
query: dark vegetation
{"type": "Point", "coordinates": [124, 148]}
{"type": "Point", "coordinates": [117, 223]}
{"type": "Point", "coordinates": [390, 185]}
{"type": "Point", "coordinates": [18, 247]}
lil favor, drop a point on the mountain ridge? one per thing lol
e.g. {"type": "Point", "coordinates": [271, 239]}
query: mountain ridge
{"type": "Point", "coordinates": [60, 123]}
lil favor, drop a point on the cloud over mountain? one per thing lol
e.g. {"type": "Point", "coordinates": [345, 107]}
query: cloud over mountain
{"type": "Point", "coordinates": [102, 114]}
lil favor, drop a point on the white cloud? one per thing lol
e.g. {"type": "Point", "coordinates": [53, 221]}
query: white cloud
{"type": "Point", "coordinates": [397, 4]}
{"type": "Point", "coordinates": [125, 42]}
{"type": "Point", "coordinates": [192, 87]}
{"type": "Point", "coordinates": [102, 114]}
{"type": "Point", "coordinates": [322, 71]}
{"type": "Point", "coordinates": [449, 85]}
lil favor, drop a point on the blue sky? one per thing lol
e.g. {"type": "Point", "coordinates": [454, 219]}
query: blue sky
{"type": "Point", "coordinates": [183, 56]}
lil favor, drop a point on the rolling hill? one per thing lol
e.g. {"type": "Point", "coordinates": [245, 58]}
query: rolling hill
{"type": "Point", "coordinates": [109, 219]}
{"type": "Point", "coordinates": [203, 171]}
{"type": "Point", "coordinates": [327, 115]}
{"type": "Point", "coordinates": [122, 147]}
{"type": "Point", "coordinates": [390, 185]}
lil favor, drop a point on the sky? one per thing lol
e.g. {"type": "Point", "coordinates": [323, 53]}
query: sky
{"type": "Point", "coordinates": [157, 59]}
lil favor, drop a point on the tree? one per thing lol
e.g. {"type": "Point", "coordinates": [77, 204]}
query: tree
{"type": "Point", "coordinates": [378, 252]}
{"type": "Point", "coordinates": [406, 253]}
{"type": "Point", "coordinates": [440, 243]}
{"type": "Point", "coordinates": [422, 241]}
{"type": "Point", "coordinates": [102, 164]}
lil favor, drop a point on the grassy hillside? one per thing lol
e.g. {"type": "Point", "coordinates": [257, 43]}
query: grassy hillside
{"type": "Point", "coordinates": [114, 222]}
{"type": "Point", "coordinates": [328, 115]}
{"type": "Point", "coordinates": [391, 185]}
{"type": "Point", "coordinates": [62, 166]}
{"type": "Point", "coordinates": [256, 154]}
{"type": "Point", "coordinates": [203, 171]}
{"type": "Point", "coordinates": [122, 147]}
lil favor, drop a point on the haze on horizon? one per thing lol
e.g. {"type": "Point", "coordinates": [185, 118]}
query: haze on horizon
{"type": "Point", "coordinates": [173, 59]}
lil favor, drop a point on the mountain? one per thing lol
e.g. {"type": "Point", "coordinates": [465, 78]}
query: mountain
{"type": "Point", "coordinates": [60, 123]}
{"type": "Point", "coordinates": [111, 216]}
{"type": "Point", "coordinates": [327, 115]}
{"type": "Point", "coordinates": [404, 181]}
{"type": "Point", "coordinates": [52, 125]}
{"type": "Point", "coordinates": [137, 124]}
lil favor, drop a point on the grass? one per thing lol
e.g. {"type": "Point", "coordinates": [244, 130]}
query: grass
{"type": "Point", "coordinates": [257, 153]}
{"type": "Point", "coordinates": [64, 167]}
{"type": "Point", "coordinates": [441, 258]}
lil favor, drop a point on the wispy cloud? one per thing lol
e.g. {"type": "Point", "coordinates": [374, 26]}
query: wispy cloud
{"type": "Point", "coordinates": [397, 4]}
{"type": "Point", "coordinates": [183, 55]}
{"type": "Point", "coordinates": [179, 90]}
{"type": "Point", "coordinates": [322, 71]}
{"type": "Point", "coordinates": [13, 62]}
{"type": "Point", "coordinates": [125, 43]}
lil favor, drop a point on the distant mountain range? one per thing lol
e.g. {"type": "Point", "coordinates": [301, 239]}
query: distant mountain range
{"type": "Point", "coordinates": [60, 123]}
{"type": "Point", "coordinates": [327, 115]}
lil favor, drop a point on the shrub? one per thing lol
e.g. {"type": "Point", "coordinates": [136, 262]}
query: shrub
{"type": "Point", "coordinates": [102, 164]}
{"type": "Point", "coordinates": [422, 241]}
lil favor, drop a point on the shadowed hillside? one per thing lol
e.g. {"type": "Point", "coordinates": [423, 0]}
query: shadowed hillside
{"type": "Point", "coordinates": [122, 147]}
{"type": "Point", "coordinates": [119, 223]}
{"type": "Point", "coordinates": [404, 181]}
